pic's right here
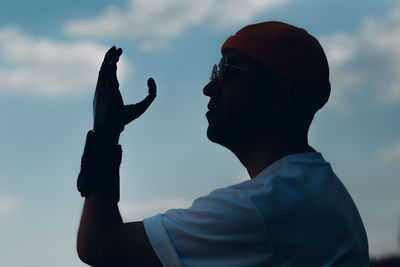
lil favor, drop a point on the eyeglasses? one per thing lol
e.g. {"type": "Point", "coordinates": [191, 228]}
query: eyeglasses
{"type": "Point", "coordinates": [221, 72]}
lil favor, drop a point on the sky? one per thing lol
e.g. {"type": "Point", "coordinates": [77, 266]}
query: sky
{"type": "Point", "coordinates": [50, 54]}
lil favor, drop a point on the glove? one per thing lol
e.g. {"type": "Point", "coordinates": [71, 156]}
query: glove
{"type": "Point", "coordinates": [102, 154]}
{"type": "Point", "coordinates": [108, 107]}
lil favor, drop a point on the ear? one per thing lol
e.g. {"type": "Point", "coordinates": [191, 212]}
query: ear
{"type": "Point", "coordinates": [282, 96]}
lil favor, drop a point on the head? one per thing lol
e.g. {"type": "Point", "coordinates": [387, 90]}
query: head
{"type": "Point", "coordinates": [273, 78]}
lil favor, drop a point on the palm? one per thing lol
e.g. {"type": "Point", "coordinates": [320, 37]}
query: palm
{"type": "Point", "coordinates": [108, 106]}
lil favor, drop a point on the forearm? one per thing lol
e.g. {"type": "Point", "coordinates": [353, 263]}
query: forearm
{"type": "Point", "coordinates": [99, 224]}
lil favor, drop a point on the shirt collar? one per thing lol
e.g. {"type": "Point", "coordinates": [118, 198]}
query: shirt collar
{"type": "Point", "coordinates": [307, 157]}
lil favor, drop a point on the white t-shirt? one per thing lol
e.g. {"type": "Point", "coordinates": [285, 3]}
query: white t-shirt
{"type": "Point", "coordinates": [296, 212]}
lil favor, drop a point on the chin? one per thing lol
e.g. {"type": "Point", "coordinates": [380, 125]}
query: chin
{"type": "Point", "coordinates": [211, 135]}
{"type": "Point", "coordinates": [217, 135]}
{"type": "Point", "coordinates": [220, 130]}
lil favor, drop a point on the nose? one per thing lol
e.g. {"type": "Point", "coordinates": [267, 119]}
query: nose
{"type": "Point", "coordinates": [212, 89]}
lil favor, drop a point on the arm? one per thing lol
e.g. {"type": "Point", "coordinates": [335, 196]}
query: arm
{"type": "Point", "coordinates": [103, 239]}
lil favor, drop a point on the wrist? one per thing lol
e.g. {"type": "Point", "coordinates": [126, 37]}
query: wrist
{"type": "Point", "coordinates": [100, 164]}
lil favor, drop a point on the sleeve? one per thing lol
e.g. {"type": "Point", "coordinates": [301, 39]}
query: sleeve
{"type": "Point", "coordinates": [221, 229]}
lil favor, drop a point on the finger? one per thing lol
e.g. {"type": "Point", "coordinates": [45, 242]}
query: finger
{"type": "Point", "coordinates": [151, 83]}
{"type": "Point", "coordinates": [114, 55]}
{"type": "Point", "coordinates": [130, 113]}
{"type": "Point", "coordinates": [152, 86]}
{"type": "Point", "coordinates": [113, 67]}
{"type": "Point", "coordinates": [118, 53]}
{"type": "Point", "coordinates": [110, 55]}
{"type": "Point", "coordinates": [133, 111]}
{"type": "Point", "coordinates": [109, 67]}
{"type": "Point", "coordinates": [111, 58]}
{"type": "Point", "coordinates": [106, 66]}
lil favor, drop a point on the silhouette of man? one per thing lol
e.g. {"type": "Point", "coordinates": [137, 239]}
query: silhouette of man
{"type": "Point", "coordinates": [294, 211]}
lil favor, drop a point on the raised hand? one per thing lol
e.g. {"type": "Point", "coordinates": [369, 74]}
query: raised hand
{"type": "Point", "coordinates": [108, 107]}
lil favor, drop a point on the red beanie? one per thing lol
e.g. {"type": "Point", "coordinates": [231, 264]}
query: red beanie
{"type": "Point", "coordinates": [288, 50]}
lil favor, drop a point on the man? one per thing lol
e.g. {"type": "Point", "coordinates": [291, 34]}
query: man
{"type": "Point", "coordinates": [294, 211]}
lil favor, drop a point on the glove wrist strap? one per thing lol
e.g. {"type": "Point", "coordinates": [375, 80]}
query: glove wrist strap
{"type": "Point", "coordinates": [100, 164]}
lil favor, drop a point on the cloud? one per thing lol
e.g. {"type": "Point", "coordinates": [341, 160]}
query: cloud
{"type": "Point", "coordinates": [39, 65]}
{"type": "Point", "coordinates": [134, 211]}
{"type": "Point", "coordinates": [155, 22]}
{"type": "Point", "coordinates": [391, 153]}
{"type": "Point", "coordinates": [8, 204]}
{"type": "Point", "coordinates": [368, 58]}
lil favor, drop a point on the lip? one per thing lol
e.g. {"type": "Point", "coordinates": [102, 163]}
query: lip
{"type": "Point", "coordinates": [210, 114]}
{"type": "Point", "coordinates": [213, 108]}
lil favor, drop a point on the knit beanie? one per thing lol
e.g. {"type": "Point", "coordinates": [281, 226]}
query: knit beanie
{"type": "Point", "coordinates": [291, 52]}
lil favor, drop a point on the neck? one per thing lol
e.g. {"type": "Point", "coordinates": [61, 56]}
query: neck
{"type": "Point", "coordinates": [259, 153]}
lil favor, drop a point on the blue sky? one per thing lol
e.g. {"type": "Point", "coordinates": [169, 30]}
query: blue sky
{"type": "Point", "coordinates": [50, 52]}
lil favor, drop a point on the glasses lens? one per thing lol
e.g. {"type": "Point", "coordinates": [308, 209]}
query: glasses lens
{"type": "Point", "coordinates": [214, 72]}
{"type": "Point", "coordinates": [221, 68]}
{"type": "Point", "coordinates": [218, 71]}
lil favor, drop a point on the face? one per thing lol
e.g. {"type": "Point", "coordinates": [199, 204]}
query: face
{"type": "Point", "coordinates": [239, 103]}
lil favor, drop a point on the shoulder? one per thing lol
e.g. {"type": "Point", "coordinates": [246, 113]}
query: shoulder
{"type": "Point", "coordinates": [222, 227]}
{"type": "Point", "coordinates": [230, 208]}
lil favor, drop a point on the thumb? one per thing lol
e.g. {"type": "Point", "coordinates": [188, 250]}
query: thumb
{"type": "Point", "coordinates": [152, 86]}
